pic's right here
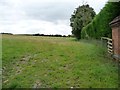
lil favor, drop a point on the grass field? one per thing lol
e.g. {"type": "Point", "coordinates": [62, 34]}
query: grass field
{"type": "Point", "coordinates": [40, 62]}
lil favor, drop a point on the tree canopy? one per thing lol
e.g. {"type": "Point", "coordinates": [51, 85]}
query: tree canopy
{"type": "Point", "coordinates": [82, 16]}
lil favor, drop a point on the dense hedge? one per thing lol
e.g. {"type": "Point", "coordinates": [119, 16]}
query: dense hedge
{"type": "Point", "coordinates": [100, 27]}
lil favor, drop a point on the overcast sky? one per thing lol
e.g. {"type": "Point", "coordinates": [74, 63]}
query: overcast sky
{"type": "Point", "coordinates": [40, 16]}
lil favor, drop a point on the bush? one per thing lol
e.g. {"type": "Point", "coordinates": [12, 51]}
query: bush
{"type": "Point", "coordinates": [99, 27]}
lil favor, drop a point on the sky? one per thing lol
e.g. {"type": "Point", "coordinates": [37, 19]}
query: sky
{"type": "Point", "coordinates": [41, 16]}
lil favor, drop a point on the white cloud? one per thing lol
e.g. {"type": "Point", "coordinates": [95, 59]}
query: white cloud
{"type": "Point", "coordinates": [97, 4]}
{"type": "Point", "coordinates": [40, 16]}
{"type": "Point", "coordinates": [37, 26]}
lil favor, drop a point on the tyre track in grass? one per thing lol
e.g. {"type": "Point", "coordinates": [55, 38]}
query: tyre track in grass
{"type": "Point", "coordinates": [19, 66]}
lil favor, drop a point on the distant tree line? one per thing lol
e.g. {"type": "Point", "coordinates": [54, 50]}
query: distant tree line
{"type": "Point", "coordinates": [56, 35]}
{"type": "Point", "coordinates": [51, 35]}
{"type": "Point", "coordinates": [6, 33]}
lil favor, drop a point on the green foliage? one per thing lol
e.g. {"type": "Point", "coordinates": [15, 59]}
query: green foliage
{"type": "Point", "coordinates": [81, 17]}
{"type": "Point", "coordinates": [100, 27]}
{"type": "Point", "coordinates": [13, 85]}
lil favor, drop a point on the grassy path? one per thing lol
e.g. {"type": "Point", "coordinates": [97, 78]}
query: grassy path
{"type": "Point", "coordinates": [33, 62]}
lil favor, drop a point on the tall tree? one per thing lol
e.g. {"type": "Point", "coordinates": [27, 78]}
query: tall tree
{"type": "Point", "coordinates": [82, 16]}
{"type": "Point", "coordinates": [99, 27]}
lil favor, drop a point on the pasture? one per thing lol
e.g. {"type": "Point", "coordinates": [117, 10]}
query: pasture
{"type": "Point", "coordinates": [54, 62]}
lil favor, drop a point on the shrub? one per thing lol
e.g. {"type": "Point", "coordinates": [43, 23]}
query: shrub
{"type": "Point", "coordinates": [99, 27]}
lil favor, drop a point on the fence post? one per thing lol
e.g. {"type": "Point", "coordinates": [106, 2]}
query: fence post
{"type": "Point", "coordinates": [109, 44]}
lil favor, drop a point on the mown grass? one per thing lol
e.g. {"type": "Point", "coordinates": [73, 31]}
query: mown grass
{"type": "Point", "coordinates": [31, 62]}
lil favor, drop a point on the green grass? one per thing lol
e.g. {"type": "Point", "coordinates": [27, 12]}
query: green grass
{"type": "Point", "coordinates": [30, 62]}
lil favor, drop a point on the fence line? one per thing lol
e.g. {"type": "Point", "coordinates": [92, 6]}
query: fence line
{"type": "Point", "coordinates": [109, 44]}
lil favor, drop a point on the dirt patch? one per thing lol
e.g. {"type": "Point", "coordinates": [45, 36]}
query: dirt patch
{"type": "Point", "coordinates": [37, 84]}
{"type": "Point", "coordinates": [5, 81]}
{"type": "Point", "coordinates": [18, 70]}
{"type": "Point", "coordinates": [18, 66]}
{"type": "Point", "coordinates": [25, 59]}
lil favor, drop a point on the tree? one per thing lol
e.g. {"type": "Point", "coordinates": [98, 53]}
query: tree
{"type": "Point", "coordinates": [99, 27]}
{"type": "Point", "coordinates": [82, 16]}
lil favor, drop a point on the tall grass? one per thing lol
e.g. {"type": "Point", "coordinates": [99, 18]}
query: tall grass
{"type": "Point", "coordinates": [56, 62]}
